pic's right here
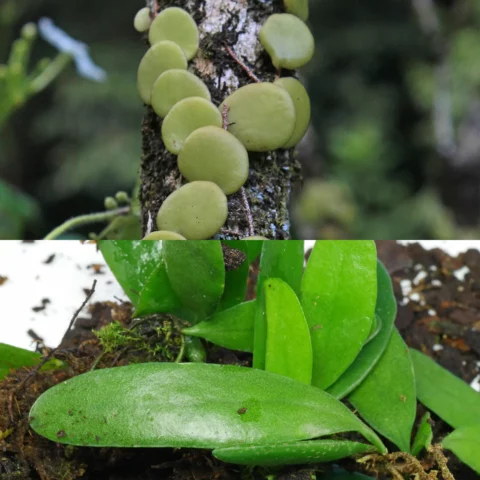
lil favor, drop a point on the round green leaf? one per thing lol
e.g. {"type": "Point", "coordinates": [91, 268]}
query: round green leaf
{"type": "Point", "coordinates": [159, 58]}
{"type": "Point", "coordinates": [184, 118]}
{"type": "Point", "coordinates": [298, 453]}
{"type": "Point", "coordinates": [189, 405]}
{"type": "Point", "coordinates": [261, 115]}
{"type": "Point", "coordinates": [386, 399]}
{"type": "Point", "coordinates": [213, 154]}
{"type": "Point", "coordinates": [298, 8]}
{"type": "Point", "coordinates": [386, 311]}
{"type": "Point", "coordinates": [173, 86]}
{"type": "Point", "coordinates": [288, 41]}
{"type": "Point", "coordinates": [301, 101]}
{"type": "Point", "coordinates": [142, 20]}
{"type": "Point", "coordinates": [176, 25]}
{"type": "Point", "coordinates": [339, 292]}
{"type": "Point", "coordinates": [196, 211]}
{"type": "Point", "coordinates": [196, 271]}
{"type": "Point", "coordinates": [289, 347]}
{"type": "Point", "coordinates": [163, 235]}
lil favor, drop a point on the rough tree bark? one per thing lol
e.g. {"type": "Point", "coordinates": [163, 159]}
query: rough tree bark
{"type": "Point", "coordinates": [233, 23]}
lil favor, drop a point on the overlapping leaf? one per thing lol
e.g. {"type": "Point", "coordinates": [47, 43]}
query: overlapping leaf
{"type": "Point", "coordinates": [289, 347]}
{"type": "Point", "coordinates": [338, 295]}
{"type": "Point", "coordinates": [283, 260]}
{"type": "Point", "coordinates": [386, 311]}
{"type": "Point", "coordinates": [386, 398]}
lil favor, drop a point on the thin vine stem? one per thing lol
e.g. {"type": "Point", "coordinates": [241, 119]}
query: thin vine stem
{"type": "Point", "coordinates": [83, 220]}
{"type": "Point", "coordinates": [53, 70]}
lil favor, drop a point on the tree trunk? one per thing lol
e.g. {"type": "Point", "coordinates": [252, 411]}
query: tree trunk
{"type": "Point", "coordinates": [233, 23]}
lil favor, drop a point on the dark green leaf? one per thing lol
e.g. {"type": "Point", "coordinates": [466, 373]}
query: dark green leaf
{"type": "Point", "coordinates": [464, 442]}
{"type": "Point", "coordinates": [440, 391]}
{"type": "Point", "coordinates": [197, 273]}
{"type": "Point", "coordinates": [386, 398]}
{"type": "Point", "coordinates": [13, 358]}
{"type": "Point", "coordinates": [386, 311]}
{"type": "Point", "coordinates": [232, 328]}
{"type": "Point", "coordinates": [375, 329]}
{"type": "Point", "coordinates": [289, 347]}
{"type": "Point", "coordinates": [297, 453]}
{"type": "Point", "coordinates": [157, 295]}
{"type": "Point", "coordinates": [283, 260]}
{"type": "Point", "coordinates": [339, 291]}
{"type": "Point", "coordinates": [423, 438]}
{"type": "Point", "coordinates": [189, 405]}
{"type": "Point", "coordinates": [235, 280]}
{"type": "Point", "coordinates": [194, 350]}
{"type": "Point", "coordinates": [254, 249]}
{"type": "Point", "coordinates": [132, 263]}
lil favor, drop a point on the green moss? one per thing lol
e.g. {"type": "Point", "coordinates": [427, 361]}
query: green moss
{"type": "Point", "coordinates": [176, 25]}
{"type": "Point", "coordinates": [298, 8]}
{"type": "Point", "coordinates": [164, 235]}
{"type": "Point", "coordinates": [184, 118]}
{"type": "Point", "coordinates": [173, 86]}
{"type": "Point", "coordinates": [261, 116]}
{"type": "Point", "coordinates": [159, 58]}
{"type": "Point", "coordinates": [301, 100]}
{"type": "Point", "coordinates": [142, 20]}
{"type": "Point", "coordinates": [215, 155]}
{"type": "Point", "coordinates": [288, 41]}
{"type": "Point", "coordinates": [197, 211]}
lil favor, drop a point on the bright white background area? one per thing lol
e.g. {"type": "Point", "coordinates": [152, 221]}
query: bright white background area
{"type": "Point", "coordinates": [63, 280]}
{"type": "Point", "coordinates": [29, 280]}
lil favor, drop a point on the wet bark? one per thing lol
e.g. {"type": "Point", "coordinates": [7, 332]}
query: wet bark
{"type": "Point", "coordinates": [233, 23]}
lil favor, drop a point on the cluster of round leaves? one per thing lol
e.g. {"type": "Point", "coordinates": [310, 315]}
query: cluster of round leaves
{"type": "Point", "coordinates": [211, 142]}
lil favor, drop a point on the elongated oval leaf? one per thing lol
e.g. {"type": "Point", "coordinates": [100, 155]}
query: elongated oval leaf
{"type": "Point", "coordinates": [13, 358]}
{"type": "Point", "coordinates": [139, 267]}
{"type": "Point", "coordinates": [297, 453]}
{"type": "Point", "coordinates": [424, 435]}
{"type": "Point", "coordinates": [386, 398]}
{"type": "Point", "coordinates": [464, 442]}
{"type": "Point", "coordinates": [440, 391]}
{"type": "Point", "coordinates": [232, 328]}
{"type": "Point", "coordinates": [339, 291]}
{"type": "Point", "coordinates": [283, 260]}
{"type": "Point", "coordinates": [386, 311]}
{"type": "Point", "coordinates": [189, 405]}
{"type": "Point", "coordinates": [196, 271]}
{"type": "Point", "coordinates": [289, 347]}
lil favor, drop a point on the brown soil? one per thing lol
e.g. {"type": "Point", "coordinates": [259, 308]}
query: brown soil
{"type": "Point", "coordinates": [445, 312]}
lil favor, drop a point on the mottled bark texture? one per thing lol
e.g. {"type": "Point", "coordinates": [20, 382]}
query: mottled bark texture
{"type": "Point", "coordinates": [233, 23]}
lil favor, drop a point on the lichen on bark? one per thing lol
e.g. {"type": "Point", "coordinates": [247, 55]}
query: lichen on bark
{"type": "Point", "coordinates": [236, 24]}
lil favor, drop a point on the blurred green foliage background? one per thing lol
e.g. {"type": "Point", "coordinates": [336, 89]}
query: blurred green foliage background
{"type": "Point", "coordinates": [394, 149]}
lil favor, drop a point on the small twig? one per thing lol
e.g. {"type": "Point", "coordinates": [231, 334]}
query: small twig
{"type": "Point", "coordinates": [226, 108]}
{"type": "Point", "coordinates": [247, 70]}
{"type": "Point", "coordinates": [246, 205]}
{"type": "Point", "coordinates": [249, 212]}
{"type": "Point", "coordinates": [50, 354]}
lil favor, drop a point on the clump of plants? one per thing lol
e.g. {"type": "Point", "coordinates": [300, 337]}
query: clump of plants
{"type": "Point", "coordinates": [259, 117]}
{"type": "Point", "coordinates": [322, 339]}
